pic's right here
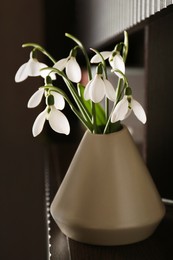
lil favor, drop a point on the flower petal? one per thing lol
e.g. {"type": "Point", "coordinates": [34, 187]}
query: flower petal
{"type": "Point", "coordinates": [97, 89]}
{"type": "Point", "coordinates": [59, 100]}
{"type": "Point", "coordinates": [34, 67]}
{"type": "Point", "coordinates": [121, 110]}
{"type": "Point", "coordinates": [22, 73]}
{"type": "Point", "coordinates": [61, 64]}
{"type": "Point", "coordinates": [96, 58]}
{"type": "Point", "coordinates": [117, 63]}
{"type": "Point", "coordinates": [35, 99]}
{"type": "Point", "coordinates": [73, 70]}
{"type": "Point", "coordinates": [39, 123]}
{"type": "Point", "coordinates": [58, 121]}
{"type": "Point", "coordinates": [87, 90]}
{"type": "Point", "coordinates": [138, 111]}
{"type": "Point", "coordinates": [109, 90]}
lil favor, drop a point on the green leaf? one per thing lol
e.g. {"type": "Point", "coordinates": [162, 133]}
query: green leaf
{"type": "Point", "coordinates": [100, 113]}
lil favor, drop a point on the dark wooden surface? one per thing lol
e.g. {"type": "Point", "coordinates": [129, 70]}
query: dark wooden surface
{"type": "Point", "coordinates": [159, 246]}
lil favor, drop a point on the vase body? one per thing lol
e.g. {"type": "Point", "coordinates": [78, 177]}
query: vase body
{"type": "Point", "coordinates": [107, 196]}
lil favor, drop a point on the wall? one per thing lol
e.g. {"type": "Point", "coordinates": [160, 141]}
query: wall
{"type": "Point", "coordinates": [100, 20]}
{"type": "Point", "coordinates": [159, 101]}
{"type": "Point", "coordinates": [22, 218]}
{"type": "Point", "coordinates": [22, 173]}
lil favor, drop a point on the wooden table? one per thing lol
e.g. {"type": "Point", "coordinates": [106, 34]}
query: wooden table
{"type": "Point", "coordinates": [157, 247]}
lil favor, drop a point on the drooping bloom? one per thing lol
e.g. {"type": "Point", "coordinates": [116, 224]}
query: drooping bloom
{"type": "Point", "coordinates": [124, 108]}
{"type": "Point", "coordinates": [71, 66]}
{"type": "Point", "coordinates": [115, 60]}
{"type": "Point", "coordinates": [31, 68]}
{"type": "Point", "coordinates": [97, 88]}
{"type": "Point", "coordinates": [57, 120]}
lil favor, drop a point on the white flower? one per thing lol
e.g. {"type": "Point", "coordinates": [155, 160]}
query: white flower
{"type": "Point", "coordinates": [56, 118]}
{"type": "Point", "coordinates": [97, 88]}
{"type": "Point", "coordinates": [125, 107]}
{"type": "Point", "coordinates": [31, 68]}
{"type": "Point", "coordinates": [57, 121]}
{"type": "Point", "coordinates": [73, 70]}
{"type": "Point", "coordinates": [115, 60]}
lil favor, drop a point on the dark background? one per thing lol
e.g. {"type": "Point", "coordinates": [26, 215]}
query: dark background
{"type": "Point", "coordinates": [23, 225]}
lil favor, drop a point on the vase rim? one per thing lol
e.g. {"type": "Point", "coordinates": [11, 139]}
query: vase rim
{"type": "Point", "coordinates": [123, 129]}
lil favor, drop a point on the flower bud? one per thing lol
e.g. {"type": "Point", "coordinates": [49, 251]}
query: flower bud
{"type": "Point", "coordinates": [48, 80]}
{"type": "Point", "coordinates": [128, 91]}
{"type": "Point", "coordinates": [50, 100]}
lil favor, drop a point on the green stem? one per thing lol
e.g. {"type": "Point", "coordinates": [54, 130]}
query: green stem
{"type": "Point", "coordinates": [77, 99]}
{"type": "Point", "coordinates": [118, 91]}
{"type": "Point", "coordinates": [73, 92]}
{"type": "Point", "coordinates": [89, 75]}
{"type": "Point", "coordinates": [41, 49]}
{"type": "Point", "coordinates": [106, 76]}
{"type": "Point", "coordinates": [94, 117]}
{"type": "Point", "coordinates": [117, 100]}
{"type": "Point", "coordinates": [87, 124]}
{"type": "Point", "coordinates": [107, 108]}
{"type": "Point", "coordinates": [103, 61]}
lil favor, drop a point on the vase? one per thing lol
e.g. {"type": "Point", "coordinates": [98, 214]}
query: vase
{"type": "Point", "coordinates": [107, 196]}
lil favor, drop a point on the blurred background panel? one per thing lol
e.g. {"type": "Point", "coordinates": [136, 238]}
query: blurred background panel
{"type": "Point", "coordinates": [23, 223]}
{"type": "Point", "coordinates": [22, 220]}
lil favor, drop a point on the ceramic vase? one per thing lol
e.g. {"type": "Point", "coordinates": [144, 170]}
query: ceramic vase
{"type": "Point", "coordinates": [107, 196]}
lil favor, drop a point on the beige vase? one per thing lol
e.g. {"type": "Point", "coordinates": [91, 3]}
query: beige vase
{"type": "Point", "coordinates": [107, 196]}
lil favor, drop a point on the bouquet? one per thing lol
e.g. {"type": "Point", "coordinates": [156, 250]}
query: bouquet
{"type": "Point", "coordinates": [85, 101]}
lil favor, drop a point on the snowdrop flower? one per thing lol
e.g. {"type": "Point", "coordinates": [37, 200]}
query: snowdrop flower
{"type": "Point", "coordinates": [115, 60]}
{"type": "Point", "coordinates": [57, 121]}
{"type": "Point", "coordinates": [30, 68]}
{"type": "Point", "coordinates": [125, 107]}
{"type": "Point", "coordinates": [56, 118]}
{"type": "Point", "coordinates": [97, 88]}
{"type": "Point", "coordinates": [73, 70]}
